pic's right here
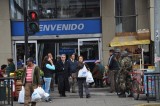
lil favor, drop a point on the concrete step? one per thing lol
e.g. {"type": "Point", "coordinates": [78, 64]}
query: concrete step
{"type": "Point", "coordinates": [149, 104]}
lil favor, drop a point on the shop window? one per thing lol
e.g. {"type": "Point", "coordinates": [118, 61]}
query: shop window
{"type": "Point", "coordinates": [69, 8]}
{"type": "Point", "coordinates": [126, 24]}
{"type": "Point", "coordinates": [51, 9]}
{"type": "Point", "coordinates": [125, 16]}
{"type": "Point", "coordinates": [16, 8]}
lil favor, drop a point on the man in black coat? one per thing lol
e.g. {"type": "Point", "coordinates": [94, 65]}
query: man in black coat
{"type": "Point", "coordinates": [113, 69]}
{"type": "Point", "coordinates": [62, 68]}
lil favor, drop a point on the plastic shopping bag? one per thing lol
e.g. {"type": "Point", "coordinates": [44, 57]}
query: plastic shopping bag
{"type": "Point", "coordinates": [41, 91]}
{"type": "Point", "coordinates": [21, 95]}
{"type": "Point", "coordinates": [46, 95]}
{"type": "Point", "coordinates": [35, 96]}
{"type": "Point", "coordinates": [83, 72]}
{"type": "Point", "coordinates": [89, 78]}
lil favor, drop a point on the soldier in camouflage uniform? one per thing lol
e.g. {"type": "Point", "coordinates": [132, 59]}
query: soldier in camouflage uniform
{"type": "Point", "coordinates": [124, 78]}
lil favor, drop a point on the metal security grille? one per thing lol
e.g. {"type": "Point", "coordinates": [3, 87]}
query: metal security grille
{"type": "Point", "coordinates": [6, 91]}
{"type": "Point", "coordinates": [152, 86]}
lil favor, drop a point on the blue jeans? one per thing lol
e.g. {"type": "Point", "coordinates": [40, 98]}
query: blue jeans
{"type": "Point", "coordinates": [42, 83]}
{"type": "Point", "coordinates": [47, 84]}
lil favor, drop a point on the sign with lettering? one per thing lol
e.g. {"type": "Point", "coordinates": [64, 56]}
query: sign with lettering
{"type": "Point", "coordinates": [61, 27]}
{"type": "Point", "coordinates": [66, 51]}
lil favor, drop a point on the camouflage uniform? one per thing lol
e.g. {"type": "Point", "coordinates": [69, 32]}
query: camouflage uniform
{"type": "Point", "coordinates": [126, 63]}
{"type": "Point", "coordinates": [124, 78]}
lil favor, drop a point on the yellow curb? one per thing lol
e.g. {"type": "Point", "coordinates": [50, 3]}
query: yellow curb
{"type": "Point", "coordinates": [149, 104]}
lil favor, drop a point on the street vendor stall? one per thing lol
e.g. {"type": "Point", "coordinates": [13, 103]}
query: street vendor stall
{"type": "Point", "coordinates": [135, 43]}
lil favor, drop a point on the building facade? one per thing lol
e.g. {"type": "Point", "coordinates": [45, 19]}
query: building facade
{"type": "Point", "coordinates": [84, 27]}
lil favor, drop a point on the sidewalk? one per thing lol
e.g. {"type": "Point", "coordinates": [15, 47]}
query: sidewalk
{"type": "Point", "coordinates": [99, 97]}
{"type": "Point", "coordinates": [149, 104]}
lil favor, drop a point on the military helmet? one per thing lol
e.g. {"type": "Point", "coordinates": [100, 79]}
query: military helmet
{"type": "Point", "coordinates": [117, 50]}
{"type": "Point", "coordinates": [124, 53]}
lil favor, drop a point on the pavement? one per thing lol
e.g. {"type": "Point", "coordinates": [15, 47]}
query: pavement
{"type": "Point", "coordinates": [99, 97]}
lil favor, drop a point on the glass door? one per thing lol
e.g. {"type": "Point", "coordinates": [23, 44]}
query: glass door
{"type": "Point", "coordinates": [90, 48]}
{"type": "Point", "coordinates": [20, 53]}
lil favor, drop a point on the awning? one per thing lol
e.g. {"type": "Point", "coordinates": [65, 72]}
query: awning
{"type": "Point", "coordinates": [127, 40]}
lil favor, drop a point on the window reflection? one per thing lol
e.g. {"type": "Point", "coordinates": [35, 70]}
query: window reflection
{"type": "Point", "coordinates": [125, 17]}
{"type": "Point", "coordinates": [50, 9]}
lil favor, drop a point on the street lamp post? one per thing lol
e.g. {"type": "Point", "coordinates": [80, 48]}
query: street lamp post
{"type": "Point", "coordinates": [25, 29]}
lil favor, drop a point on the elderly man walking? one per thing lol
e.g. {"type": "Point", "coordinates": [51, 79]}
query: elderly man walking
{"type": "Point", "coordinates": [62, 68]}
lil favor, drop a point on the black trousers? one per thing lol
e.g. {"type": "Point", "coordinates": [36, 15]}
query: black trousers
{"type": "Point", "coordinates": [63, 84]}
{"type": "Point", "coordinates": [56, 78]}
{"type": "Point", "coordinates": [98, 82]}
{"type": "Point", "coordinates": [82, 83]}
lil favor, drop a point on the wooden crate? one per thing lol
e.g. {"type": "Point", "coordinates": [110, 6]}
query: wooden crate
{"type": "Point", "coordinates": [135, 66]}
{"type": "Point", "coordinates": [18, 87]}
{"type": "Point", "coordinates": [144, 36]}
{"type": "Point", "coordinates": [18, 82]}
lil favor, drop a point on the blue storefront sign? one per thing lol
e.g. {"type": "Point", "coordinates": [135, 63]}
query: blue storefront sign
{"type": "Point", "coordinates": [61, 27]}
{"type": "Point", "coordinates": [66, 51]}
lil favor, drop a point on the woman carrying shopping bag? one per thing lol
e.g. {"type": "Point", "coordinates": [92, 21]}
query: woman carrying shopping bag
{"type": "Point", "coordinates": [82, 69]}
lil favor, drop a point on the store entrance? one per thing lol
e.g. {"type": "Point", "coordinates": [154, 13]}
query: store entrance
{"type": "Point", "coordinates": [56, 47]}
{"type": "Point", "coordinates": [90, 49]}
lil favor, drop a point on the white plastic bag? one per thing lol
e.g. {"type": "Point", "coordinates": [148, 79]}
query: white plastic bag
{"type": "Point", "coordinates": [46, 95]}
{"type": "Point", "coordinates": [41, 91]}
{"type": "Point", "coordinates": [35, 96]}
{"type": "Point", "coordinates": [21, 95]}
{"type": "Point", "coordinates": [83, 72]}
{"type": "Point", "coordinates": [89, 78]}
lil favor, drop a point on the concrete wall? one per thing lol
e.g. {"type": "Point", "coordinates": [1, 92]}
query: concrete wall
{"type": "Point", "coordinates": [108, 27]}
{"type": "Point", "coordinates": [5, 32]}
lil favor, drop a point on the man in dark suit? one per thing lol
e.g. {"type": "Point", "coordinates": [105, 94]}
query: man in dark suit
{"type": "Point", "coordinates": [113, 69]}
{"type": "Point", "coordinates": [73, 66]}
{"type": "Point", "coordinates": [62, 68]}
